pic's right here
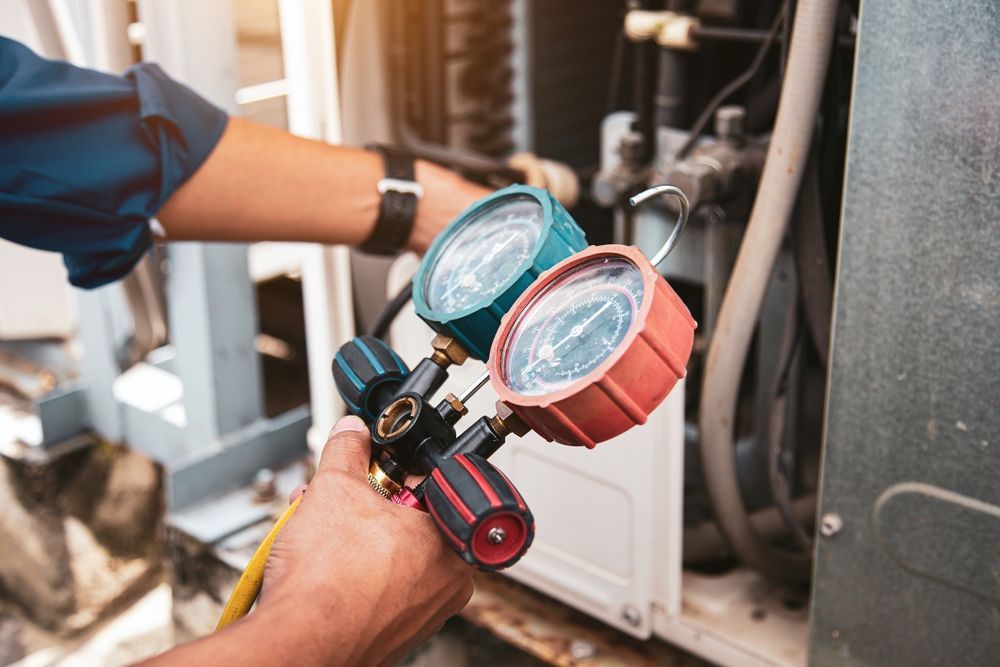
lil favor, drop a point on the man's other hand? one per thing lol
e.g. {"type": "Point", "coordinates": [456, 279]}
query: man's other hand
{"type": "Point", "coordinates": [351, 580]}
{"type": "Point", "coordinates": [350, 559]}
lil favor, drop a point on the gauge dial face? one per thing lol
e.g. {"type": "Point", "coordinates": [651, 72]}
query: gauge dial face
{"type": "Point", "coordinates": [485, 256]}
{"type": "Point", "coordinates": [572, 325]}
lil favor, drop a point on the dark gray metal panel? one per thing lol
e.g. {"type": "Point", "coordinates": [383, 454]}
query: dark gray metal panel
{"type": "Point", "coordinates": [912, 455]}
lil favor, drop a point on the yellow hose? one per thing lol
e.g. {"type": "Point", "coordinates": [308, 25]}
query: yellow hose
{"type": "Point", "coordinates": [248, 587]}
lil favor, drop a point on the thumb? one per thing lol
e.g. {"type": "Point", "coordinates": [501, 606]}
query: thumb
{"type": "Point", "coordinates": [348, 448]}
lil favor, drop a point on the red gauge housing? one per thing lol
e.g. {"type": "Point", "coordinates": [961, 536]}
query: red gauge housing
{"type": "Point", "coordinates": [628, 384]}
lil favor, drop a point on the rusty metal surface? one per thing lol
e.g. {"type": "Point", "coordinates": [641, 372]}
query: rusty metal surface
{"type": "Point", "coordinates": [29, 369]}
{"type": "Point", "coordinates": [558, 635]}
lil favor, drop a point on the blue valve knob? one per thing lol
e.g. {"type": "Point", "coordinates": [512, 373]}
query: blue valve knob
{"type": "Point", "coordinates": [367, 372]}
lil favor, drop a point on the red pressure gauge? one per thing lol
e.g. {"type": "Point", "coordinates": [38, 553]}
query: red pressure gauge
{"type": "Point", "coordinates": [595, 344]}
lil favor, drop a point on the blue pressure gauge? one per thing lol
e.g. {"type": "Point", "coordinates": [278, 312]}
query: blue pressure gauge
{"type": "Point", "coordinates": [486, 258]}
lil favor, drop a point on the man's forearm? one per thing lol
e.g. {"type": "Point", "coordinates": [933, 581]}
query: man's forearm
{"type": "Point", "coordinates": [268, 637]}
{"type": "Point", "coordinates": [261, 184]}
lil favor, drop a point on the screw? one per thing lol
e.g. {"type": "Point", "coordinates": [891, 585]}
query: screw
{"type": "Point", "coordinates": [581, 649]}
{"type": "Point", "coordinates": [631, 615]}
{"type": "Point", "coordinates": [830, 525]}
{"type": "Point", "coordinates": [729, 123]}
{"type": "Point", "coordinates": [496, 535]}
{"type": "Point", "coordinates": [265, 488]}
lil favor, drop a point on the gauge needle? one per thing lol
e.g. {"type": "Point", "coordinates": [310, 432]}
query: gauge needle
{"type": "Point", "coordinates": [498, 248]}
{"type": "Point", "coordinates": [468, 280]}
{"type": "Point", "coordinates": [573, 333]}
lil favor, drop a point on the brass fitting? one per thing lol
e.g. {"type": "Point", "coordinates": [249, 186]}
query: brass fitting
{"type": "Point", "coordinates": [456, 405]}
{"type": "Point", "coordinates": [447, 351]}
{"type": "Point", "coordinates": [396, 418]}
{"type": "Point", "coordinates": [506, 422]}
{"type": "Point", "coordinates": [384, 485]}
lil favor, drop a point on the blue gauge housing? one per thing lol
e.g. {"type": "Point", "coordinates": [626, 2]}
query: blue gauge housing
{"type": "Point", "coordinates": [474, 318]}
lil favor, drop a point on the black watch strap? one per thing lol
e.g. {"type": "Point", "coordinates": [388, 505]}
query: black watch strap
{"type": "Point", "coordinates": [398, 209]}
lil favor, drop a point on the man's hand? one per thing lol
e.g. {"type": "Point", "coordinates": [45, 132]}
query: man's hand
{"type": "Point", "coordinates": [363, 562]}
{"type": "Point", "coordinates": [351, 580]}
{"type": "Point", "coordinates": [446, 195]}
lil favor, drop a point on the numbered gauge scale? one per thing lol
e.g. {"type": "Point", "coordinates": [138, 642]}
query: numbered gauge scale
{"type": "Point", "coordinates": [483, 261]}
{"type": "Point", "coordinates": [592, 347]}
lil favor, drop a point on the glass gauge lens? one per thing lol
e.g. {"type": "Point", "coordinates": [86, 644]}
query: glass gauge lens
{"type": "Point", "coordinates": [485, 256]}
{"type": "Point", "coordinates": [572, 325]}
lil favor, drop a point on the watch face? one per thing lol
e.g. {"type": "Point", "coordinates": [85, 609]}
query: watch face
{"type": "Point", "coordinates": [572, 325]}
{"type": "Point", "coordinates": [491, 249]}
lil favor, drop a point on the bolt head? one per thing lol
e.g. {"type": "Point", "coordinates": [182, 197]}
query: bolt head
{"type": "Point", "coordinates": [631, 615]}
{"type": "Point", "coordinates": [830, 524]}
{"type": "Point", "coordinates": [581, 649]}
{"type": "Point", "coordinates": [265, 486]}
{"type": "Point", "coordinates": [456, 405]}
{"type": "Point", "coordinates": [496, 535]}
{"type": "Point", "coordinates": [730, 123]}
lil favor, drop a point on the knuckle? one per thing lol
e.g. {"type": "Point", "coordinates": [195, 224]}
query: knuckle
{"type": "Point", "coordinates": [348, 440]}
{"type": "Point", "coordinates": [467, 588]}
{"type": "Point", "coordinates": [344, 448]}
{"type": "Point", "coordinates": [462, 590]}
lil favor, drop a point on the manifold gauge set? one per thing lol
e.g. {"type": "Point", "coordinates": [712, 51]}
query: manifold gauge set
{"type": "Point", "coordinates": [580, 343]}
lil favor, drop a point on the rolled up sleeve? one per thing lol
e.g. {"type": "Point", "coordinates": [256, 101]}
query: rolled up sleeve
{"type": "Point", "coordinates": [87, 158]}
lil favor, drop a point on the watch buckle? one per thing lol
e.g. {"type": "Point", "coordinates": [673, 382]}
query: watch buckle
{"type": "Point", "coordinates": [401, 186]}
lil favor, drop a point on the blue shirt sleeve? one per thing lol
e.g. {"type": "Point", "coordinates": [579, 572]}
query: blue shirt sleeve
{"type": "Point", "coordinates": [86, 158]}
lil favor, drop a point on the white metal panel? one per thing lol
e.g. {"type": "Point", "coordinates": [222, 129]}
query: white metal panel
{"type": "Point", "coordinates": [597, 516]}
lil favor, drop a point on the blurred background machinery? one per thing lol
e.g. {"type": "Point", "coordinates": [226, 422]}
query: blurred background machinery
{"type": "Point", "coordinates": [821, 490]}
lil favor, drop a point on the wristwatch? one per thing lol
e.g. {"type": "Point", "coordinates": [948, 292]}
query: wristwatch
{"type": "Point", "coordinates": [398, 209]}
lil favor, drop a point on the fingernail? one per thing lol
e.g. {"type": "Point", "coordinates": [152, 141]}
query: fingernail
{"type": "Point", "coordinates": [350, 423]}
{"type": "Point", "coordinates": [299, 490]}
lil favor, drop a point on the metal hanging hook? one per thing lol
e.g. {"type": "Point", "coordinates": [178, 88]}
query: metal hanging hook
{"type": "Point", "coordinates": [476, 385]}
{"type": "Point", "coordinates": [682, 216]}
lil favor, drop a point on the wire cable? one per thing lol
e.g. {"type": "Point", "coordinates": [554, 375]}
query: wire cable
{"type": "Point", "coordinates": [784, 165]}
{"type": "Point", "coordinates": [389, 313]}
{"type": "Point", "coordinates": [248, 587]}
{"type": "Point", "coordinates": [812, 262]}
{"type": "Point", "coordinates": [706, 115]}
{"type": "Point", "coordinates": [775, 430]}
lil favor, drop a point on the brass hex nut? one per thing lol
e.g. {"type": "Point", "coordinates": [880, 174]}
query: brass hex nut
{"type": "Point", "coordinates": [511, 421]}
{"type": "Point", "coordinates": [449, 348]}
{"type": "Point", "coordinates": [456, 405]}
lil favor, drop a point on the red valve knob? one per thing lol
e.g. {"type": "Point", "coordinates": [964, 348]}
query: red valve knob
{"type": "Point", "coordinates": [480, 512]}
